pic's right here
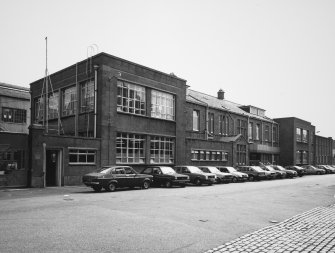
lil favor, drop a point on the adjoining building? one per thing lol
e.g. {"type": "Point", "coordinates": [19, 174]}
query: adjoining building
{"type": "Point", "coordinates": [104, 110]}
{"type": "Point", "coordinates": [220, 132]}
{"type": "Point", "coordinates": [14, 122]}
{"type": "Point", "coordinates": [323, 150]}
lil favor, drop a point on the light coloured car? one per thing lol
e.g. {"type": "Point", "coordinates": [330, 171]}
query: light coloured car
{"type": "Point", "coordinates": [196, 175]}
{"type": "Point", "coordinates": [237, 176]}
{"type": "Point", "coordinates": [312, 170]}
{"type": "Point", "coordinates": [327, 168]}
{"type": "Point", "coordinates": [289, 173]}
{"type": "Point", "coordinates": [278, 173]}
{"type": "Point", "coordinates": [221, 177]}
{"type": "Point", "coordinates": [254, 172]}
{"type": "Point", "coordinates": [300, 170]}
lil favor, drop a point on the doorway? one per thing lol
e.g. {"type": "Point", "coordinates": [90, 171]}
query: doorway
{"type": "Point", "coordinates": [53, 168]}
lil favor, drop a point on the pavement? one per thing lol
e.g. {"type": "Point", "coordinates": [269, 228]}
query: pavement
{"type": "Point", "coordinates": [312, 231]}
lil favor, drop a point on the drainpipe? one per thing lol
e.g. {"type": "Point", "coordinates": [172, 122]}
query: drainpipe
{"type": "Point", "coordinates": [96, 67]}
{"type": "Point", "coordinates": [206, 130]}
{"type": "Point", "coordinates": [44, 163]}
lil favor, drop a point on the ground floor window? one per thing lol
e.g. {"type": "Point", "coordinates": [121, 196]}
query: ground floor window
{"type": "Point", "coordinates": [82, 156]}
{"type": "Point", "coordinates": [11, 160]}
{"type": "Point", "coordinates": [241, 154]}
{"type": "Point", "coordinates": [161, 149]}
{"type": "Point", "coordinates": [130, 148]}
{"type": "Point", "coordinates": [209, 155]}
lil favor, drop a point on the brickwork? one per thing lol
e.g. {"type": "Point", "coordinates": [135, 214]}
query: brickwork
{"type": "Point", "coordinates": [311, 231]}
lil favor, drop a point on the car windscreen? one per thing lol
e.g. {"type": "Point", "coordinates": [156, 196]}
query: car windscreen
{"type": "Point", "coordinates": [231, 169]}
{"type": "Point", "coordinates": [193, 169]}
{"type": "Point", "coordinates": [280, 167]}
{"type": "Point", "coordinates": [214, 170]}
{"type": "Point", "coordinates": [258, 169]}
{"type": "Point", "coordinates": [167, 170]}
{"type": "Point", "coordinates": [269, 168]}
{"type": "Point", "coordinates": [104, 170]}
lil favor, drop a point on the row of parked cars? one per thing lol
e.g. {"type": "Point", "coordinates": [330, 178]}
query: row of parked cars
{"type": "Point", "coordinates": [112, 177]}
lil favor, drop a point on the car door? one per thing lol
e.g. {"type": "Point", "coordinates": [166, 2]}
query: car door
{"type": "Point", "coordinates": [130, 177]}
{"type": "Point", "coordinates": [119, 176]}
{"type": "Point", "coordinates": [158, 175]}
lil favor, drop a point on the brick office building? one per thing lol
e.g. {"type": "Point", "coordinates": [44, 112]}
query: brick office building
{"type": "Point", "coordinates": [323, 147]}
{"type": "Point", "coordinates": [220, 132]}
{"type": "Point", "coordinates": [14, 122]}
{"type": "Point", "coordinates": [104, 110]}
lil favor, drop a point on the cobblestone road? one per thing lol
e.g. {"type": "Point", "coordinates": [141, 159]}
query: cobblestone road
{"type": "Point", "coordinates": [311, 231]}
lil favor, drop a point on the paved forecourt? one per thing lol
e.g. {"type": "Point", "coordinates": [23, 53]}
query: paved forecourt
{"type": "Point", "coordinates": [311, 231]}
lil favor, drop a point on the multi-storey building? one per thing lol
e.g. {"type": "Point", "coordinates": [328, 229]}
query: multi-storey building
{"type": "Point", "coordinates": [104, 110]}
{"type": "Point", "coordinates": [323, 150]}
{"type": "Point", "coordinates": [220, 132]}
{"type": "Point", "coordinates": [14, 122]}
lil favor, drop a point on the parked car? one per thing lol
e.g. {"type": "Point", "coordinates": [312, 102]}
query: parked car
{"type": "Point", "coordinates": [166, 176]}
{"type": "Point", "coordinates": [221, 177]}
{"type": "Point", "coordinates": [274, 173]}
{"type": "Point", "coordinates": [197, 176]}
{"type": "Point", "coordinates": [327, 168]}
{"type": "Point", "coordinates": [254, 172]}
{"type": "Point", "coordinates": [300, 170]}
{"type": "Point", "coordinates": [310, 169]}
{"type": "Point", "coordinates": [112, 177]}
{"type": "Point", "coordinates": [237, 176]}
{"type": "Point", "coordinates": [289, 173]}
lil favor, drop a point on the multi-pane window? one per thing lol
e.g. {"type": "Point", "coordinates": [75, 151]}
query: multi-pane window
{"type": "Point", "coordinates": [266, 133]}
{"type": "Point", "coordinates": [53, 102]}
{"type": "Point", "coordinates": [69, 106]}
{"type": "Point", "coordinates": [250, 132]}
{"type": "Point", "coordinates": [196, 120]}
{"type": "Point", "coordinates": [298, 134]}
{"type": "Point", "coordinates": [14, 115]}
{"type": "Point", "coordinates": [130, 98]}
{"type": "Point", "coordinates": [82, 156]}
{"type": "Point", "coordinates": [304, 136]}
{"type": "Point", "coordinates": [209, 155]}
{"type": "Point", "coordinates": [258, 132]}
{"type": "Point", "coordinates": [223, 125]}
{"type": "Point", "coordinates": [162, 105]}
{"type": "Point", "coordinates": [11, 160]}
{"type": "Point", "coordinates": [161, 150]}
{"type": "Point", "coordinates": [211, 123]}
{"type": "Point", "coordinates": [39, 109]}
{"type": "Point", "coordinates": [130, 148]}
{"type": "Point", "coordinates": [242, 127]}
{"type": "Point", "coordinates": [87, 96]}
{"type": "Point", "coordinates": [275, 134]}
{"type": "Point", "coordinates": [241, 154]}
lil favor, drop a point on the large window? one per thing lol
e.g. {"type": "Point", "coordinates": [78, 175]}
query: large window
{"type": "Point", "coordinates": [130, 148]}
{"type": "Point", "coordinates": [196, 120]}
{"type": "Point", "coordinates": [304, 157]}
{"type": "Point", "coordinates": [14, 115]}
{"type": "Point", "coordinates": [223, 125]}
{"type": "Point", "coordinates": [250, 131]}
{"type": "Point", "coordinates": [162, 105]}
{"type": "Point", "coordinates": [161, 150]}
{"type": "Point", "coordinates": [87, 96]}
{"type": "Point", "coordinates": [304, 136]}
{"type": "Point", "coordinates": [209, 155]}
{"type": "Point", "coordinates": [82, 156]}
{"type": "Point", "coordinates": [298, 134]}
{"type": "Point", "coordinates": [130, 98]}
{"type": "Point", "coordinates": [241, 154]}
{"type": "Point", "coordinates": [267, 133]}
{"type": "Point", "coordinates": [275, 134]}
{"type": "Point", "coordinates": [258, 132]}
{"type": "Point", "coordinates": [211, 123]}
{"type": "Point", "coordinates": [298, 157]}
{"type": "Point", "coordinates": [53, 105]}
{"type": "Point", "coordinates": [11, 160]}
{"type": "Point", "coordinates": [69, 106]}
{"type": "Point", "coordinates": [39, 109]}
{"type": "Point", "coordinates": [242, 127]}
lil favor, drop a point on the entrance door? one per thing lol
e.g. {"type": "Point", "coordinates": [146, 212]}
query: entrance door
{"type": "Point", "coordinates": [51, 171]}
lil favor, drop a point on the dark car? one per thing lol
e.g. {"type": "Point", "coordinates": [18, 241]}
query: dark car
{"type": "Point", "coordinates": [166, 176]}
{"type": "Point", "coordinates": [112, 177]}
{"type": "Point", "coordinates": [300, 170]}
{"type": "Point", "coordinates": [237, 176]}
{"type": "Point", "coordinates": [254, 172]}
{"type": "Point", "coordinates": [310, 169]}
{"type": "Point", "coordinates": [289, 173]}
{"type": "Point", "coordinates": [197, 176]}
{"type": "Point", "coordinates": [327, 168]}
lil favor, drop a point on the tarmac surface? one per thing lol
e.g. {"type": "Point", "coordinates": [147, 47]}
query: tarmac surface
{"type": "Point", "coordinates": [312, 231]}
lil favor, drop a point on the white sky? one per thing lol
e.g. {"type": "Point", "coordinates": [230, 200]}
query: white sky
{"type": "Point", "coordinates": [278, 55]}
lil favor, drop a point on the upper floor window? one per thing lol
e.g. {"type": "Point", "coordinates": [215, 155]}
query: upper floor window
{"type": "Point", "coordinates": [211, 123]}
{"type": "Point", "coordinates": [250, 131]}
{"type": "Point", "coordinates": [267, 133]}
{"type": "Point", "coordinates": [14, 115]}
{"type": "Point", "coordinates": [242, 127]}
{"type": "Point", "coordinates": [130, 98]}
{"type": "Point", "coordinates": [223, 125]}
{"type": "Point", "coordinates": [304, 136]}
{"type": "Point", "coordinates": [69, 106]}
{"type": "Point", "coordinates": [87, 96]}
{"type": "Point", "coordinates": [162, 105]}
{"type": "Point", "coordinates": [275, 134]}
{"type": "Point", "coordinates": [258, 132]}
{"type": "Point", "coordinates": [53, 103]}
{"type": "Point", "coordinates": [196, 120]}
{"type": "Point", "coordinates": [39, 109]}
{"type": "Point", "coordinates": [298, 134]}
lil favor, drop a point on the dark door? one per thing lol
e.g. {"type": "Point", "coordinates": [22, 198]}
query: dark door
{"type": "Point", "coordinates": [51, 168]}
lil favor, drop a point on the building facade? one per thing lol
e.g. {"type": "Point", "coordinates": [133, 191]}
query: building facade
{"type": "Point", "coordinates": [14, 122]}
{"type": "Point", "coordinates": [104, 111]}
{"type": "Point", "coordinates": [323, 150]}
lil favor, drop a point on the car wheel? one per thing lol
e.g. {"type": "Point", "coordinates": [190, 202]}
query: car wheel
{"type": "Point", "coordinates": [111, 187]}
{"type": "Point", "coordinates": [318, 173]}
{"type": "Point", "coordinates": [197, 181]}
{"type": "Point", "coordinates": [97, 188]}
{"type": "Point", "coordinates": [168, 184]}
{"type": "Point", "coordinates": [251, 178]}
{"type": "Point", "coordinates": [146, 185]}
{"type": "Point", "coordinates": [234, 180]}
{"type": "Point", "coordinates": [182, 185]}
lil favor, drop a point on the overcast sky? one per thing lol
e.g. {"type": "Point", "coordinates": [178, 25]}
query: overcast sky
{"type": "Point", "coordinates": [277, 55]}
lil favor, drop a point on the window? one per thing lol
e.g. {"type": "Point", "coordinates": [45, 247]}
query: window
{"type": "Point", "coordinates": [275, 134]}
{"type": "Point", "coordinates": [304, 136]}
{"type": "Point", "coordinates": [267, 133]}
{"type": "Point", "coordinates": [211, 123]}
{"type": "Point", "coordinates": [130, 148]}
{"type": "Point", "coordinates": [298, 157]}
{"type": "Point", "coordinates": [195, 155]}
{"type": "Point", "coordinates": [242, 128]}
{"type": "Point", "coordinates": [298, 134]}
{"type": "Point", "coordinates": [196, 120]}
{"type": "Point", "coordinates": [11, 160]}
{"type": "Point", "coordinates": [209, 155]}
{"type": "Point", "coordinates": [130, 98]}
{"type": "Point", "coordinates": [241, 154]}
{"type": "Point", "coordinates": [53, 105]}
{"type": "Point", "coordinates": [258, 132]}
{"type": "Point", "coordinates": [82, 156]}
{"type": "Point", "coordinates": [223, 125]}
{"type": "Point", "coordinates": [69, 105]}
{"type": "Point", "coordinates": [162, 105]}
{"type": "Point", "coordinates": [14, 115]}
{"type": "Point", "coordinates": [250, 132]}
{"type": "Point", "coordinates": [87, 97]}
{"type": "Point", "coordinates": [161, 150]}
{"type": "Point", "coordinates": [39, 109]}
{"type": "Point", "coordinates": [304, 157]}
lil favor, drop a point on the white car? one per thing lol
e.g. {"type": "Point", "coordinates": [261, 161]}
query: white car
{"type": "Point", "coordinates": [221, 177]}
{"type": "Point", "coordinates": [237, 176]}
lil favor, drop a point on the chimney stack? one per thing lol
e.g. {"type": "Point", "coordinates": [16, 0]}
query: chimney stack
{"type": "Point", "coordinates": [221, 94]}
